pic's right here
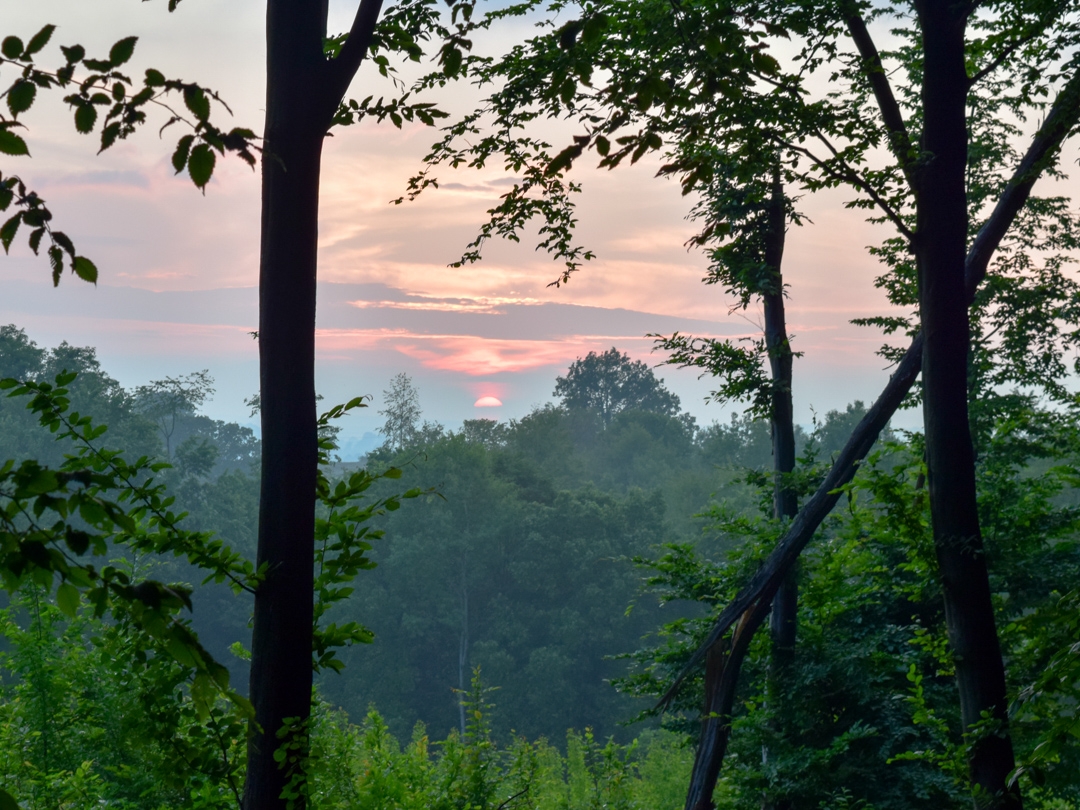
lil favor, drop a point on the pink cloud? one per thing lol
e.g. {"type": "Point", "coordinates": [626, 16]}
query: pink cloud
{"type": "Point", "coordinates": [479, 356]}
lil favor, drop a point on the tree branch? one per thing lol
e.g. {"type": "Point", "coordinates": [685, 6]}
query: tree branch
{"type": "Point", "coordinates": [343, 67]}
{"type": "Point", "coordinates": [874, 70]}
{"type": "Point", "coordinates": [1059, 123]}
{"type": "Point", "coordinates": [852, 177]}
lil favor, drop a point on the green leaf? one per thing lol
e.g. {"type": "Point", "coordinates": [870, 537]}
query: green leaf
{"type": "Point", "coordinates": [12, 144]}
{"type": "Point", "coordinates": [122, 50]}
{"type": "Point", "coordinates": [85, 117]}
{"type": "Point", "coordinates": [35, 239]}
{"type": "Point", "coordinates": [451, 60]}
{"type": "Point", "coordinates": [8, 231]}
{"type": "Point", "coordinates": [73, 54]}
{"type": "Point", "coordinates": [7, 801]}
{"type": "Point", "coordinates": [180, 156]}
{"type": "Point", "coordinates": [77, 540]}
{"type": "Point", "coordinates": [67, 599]}
{"type": "Point", "coordinates": [63, 240]}
{"type": "Point", "coordinates": [564, 159]}
{"type": "Point", "coordinates": [154, 78]}
{"type": "Point", "coordinates": [85, 269]}
{"type": "Point", "coordinates": [201, 165]}
{"type": "Point", "coordinates": [181, 652]}
{"type": "Point", "coordinates": [21, 96]}
{"type": "Point", "coordinates": [12, 47]}
{"type": "Point", "coordinates": [56, 259]}
{"type": "Point", "coordinates": [197, 102]}
{"type": "Point", "coordinates": [40, 40]}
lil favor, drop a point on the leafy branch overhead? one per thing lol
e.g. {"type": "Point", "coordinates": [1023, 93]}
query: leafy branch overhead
{"type": "Point", "coordinates": [106, 99]}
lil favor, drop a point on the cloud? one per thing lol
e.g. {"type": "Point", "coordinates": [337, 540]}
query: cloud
{"type": "Point", "coordinates": [114, 178]}
{"type": "Point", "coordinates": [483, 306]}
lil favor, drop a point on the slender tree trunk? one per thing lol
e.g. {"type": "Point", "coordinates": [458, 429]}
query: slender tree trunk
{"type": "Point", "coordinates": [782, 418]}
{"type": "Point", "coordinates": [281, 671]}
{"type": "Point", "coordinates": [783, 620]}
{"type": "Point", "coordinates": [722, 671]}
{"type": "Point", "coordinates": [942, 230]}
{"type": "Point", "coordinates": [463, 646]}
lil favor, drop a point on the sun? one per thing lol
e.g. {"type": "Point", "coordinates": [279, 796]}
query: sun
{"type": "Point", "coordinates": [487, 402]}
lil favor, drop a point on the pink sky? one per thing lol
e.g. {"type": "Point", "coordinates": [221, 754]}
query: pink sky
{"type": "Point", "coordinates": [493, 329]}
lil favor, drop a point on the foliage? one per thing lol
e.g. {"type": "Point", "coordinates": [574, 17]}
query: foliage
{"type": "Point", "coordinates": [61, 531]}
{"type": "Point", "coordinates": [871, 716]}
{"type": "Point", "coordinates": [608, 383]}
{"type": "Point", "coordinates": [93, 85]}
{"type": "Point", "coordinates": [365, 767]}
{"type": "Point", "coordinates": [166, 401]}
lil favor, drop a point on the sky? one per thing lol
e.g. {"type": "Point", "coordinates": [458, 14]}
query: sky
{"type": "Point", "coordinates": [178, 269]}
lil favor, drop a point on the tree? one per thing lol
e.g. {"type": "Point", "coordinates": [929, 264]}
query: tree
{"type": "Point", "coordinates": [609, 383]}
{"type": "Point", "coordinates": [686, 73]}
{"type": "Point", "coordinates": [308, 74]}
{"type": "Point", "coordinates": [168, 400]}
{"type": "Point", "coordinates": [402, 412]}
{"type": "Point", "coordinates": [757, 213]}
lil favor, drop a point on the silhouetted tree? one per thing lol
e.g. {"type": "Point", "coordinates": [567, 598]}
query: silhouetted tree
{"type": "Point", "coordinates": [608, 383]}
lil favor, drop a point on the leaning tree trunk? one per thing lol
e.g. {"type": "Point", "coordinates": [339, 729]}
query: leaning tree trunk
{"type": "Point", "coordinates": [761, 588]}
{"type": "Point", "coordinates": [941, 237]}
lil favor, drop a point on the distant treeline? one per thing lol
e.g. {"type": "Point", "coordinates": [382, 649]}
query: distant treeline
{"type": "Point", "coordinates": [517, 562]}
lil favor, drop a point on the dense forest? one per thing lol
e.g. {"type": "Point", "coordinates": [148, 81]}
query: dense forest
{"type": "Point", "coordinates": [541, 583]}
{"type": "Point", "coordinates": [603, 603]}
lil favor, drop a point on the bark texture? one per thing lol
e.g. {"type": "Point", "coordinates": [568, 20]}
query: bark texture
{"type": "Point", "coordinates": [281, 673]}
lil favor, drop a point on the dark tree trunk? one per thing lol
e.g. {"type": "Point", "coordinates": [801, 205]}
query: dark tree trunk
{"type": "Point", "coordinates": [721, 680]}
{"type": "Point", "coordinates": [281, 671]}
{"type": "Point", "coordinates": [942, 230]}
{"type": "Point", "coordinates": [722, 671]}
{"type": "Point", "coordinates": [782, 417]}
{"type": "Point", "coordinates": [783, 620]}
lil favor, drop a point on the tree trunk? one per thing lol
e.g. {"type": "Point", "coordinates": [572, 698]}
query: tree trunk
{"type": "Point", "coordinates": [783, 620]}
{"type": "Point", "coordinates": [782, 417]}
{"type": "Point", "coordinates": [281, 671]}
{"type": "Point", "coordinates": [941, 239]}
{"type": "Point", "coordinates": [721, 681]}
{"type": "Point", "coordinates": [722, 672]}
